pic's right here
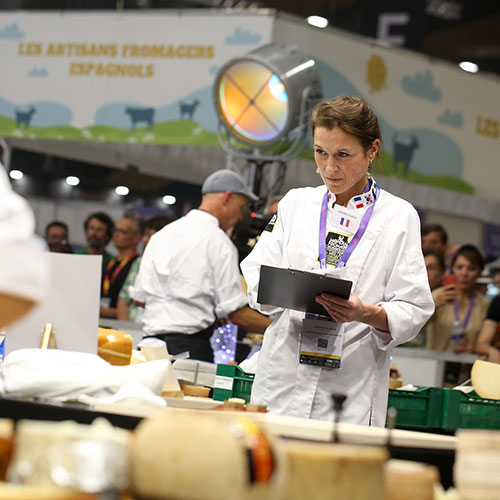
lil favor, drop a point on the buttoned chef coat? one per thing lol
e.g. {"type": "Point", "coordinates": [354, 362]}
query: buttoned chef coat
{"type": "Point", "coordinates": [386, 267]}
{"type": "Point", "coordinates": [188, 277]}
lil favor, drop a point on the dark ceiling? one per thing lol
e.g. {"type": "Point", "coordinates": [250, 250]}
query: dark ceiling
{"type": "Point", "coordinates": [455, 30]}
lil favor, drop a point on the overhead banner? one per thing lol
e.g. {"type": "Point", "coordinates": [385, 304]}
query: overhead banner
{"type": "Point", "coordinates": [106, 76]}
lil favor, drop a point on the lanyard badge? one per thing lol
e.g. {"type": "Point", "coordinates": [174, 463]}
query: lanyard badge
{"type": "Point", "coordinates": [322, 338]}
{"type": "Point", "coordinates": [321, 341]}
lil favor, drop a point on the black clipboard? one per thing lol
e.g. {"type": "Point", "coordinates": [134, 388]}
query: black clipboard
{"type": "Point", "coordinates": [294, 289]}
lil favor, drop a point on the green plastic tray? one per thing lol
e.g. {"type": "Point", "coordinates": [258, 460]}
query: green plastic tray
{"type": "Point", "coordinates": [420, 408]}
{"type": "Point", "coordinates": [441, 408]}
{"type": "Point", "coordinates": [469, 411]}
{"type": "Point", "coordinates": [232, 382]}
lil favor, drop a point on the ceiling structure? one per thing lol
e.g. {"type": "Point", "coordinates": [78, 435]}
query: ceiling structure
{"type": "Point", "coordinates": [455, 30]}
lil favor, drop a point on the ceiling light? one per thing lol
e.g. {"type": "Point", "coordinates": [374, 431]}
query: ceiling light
{"type": "Point", "coordinates": [122, 190]}
{"type": "Point", "coordinates": [168, 199]}
{"type": "Point", "coordinates": [16, 174]}
{"type": "Point", "coordinates": [318, 21]}
{"type": "Point", "coordinates": [468, 66]}
{"type": "Point", "coordinates": [72, 180]}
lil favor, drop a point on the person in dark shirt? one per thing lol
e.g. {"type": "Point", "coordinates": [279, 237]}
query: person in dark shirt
{"type": "Point", "coordinates": [126, 236]}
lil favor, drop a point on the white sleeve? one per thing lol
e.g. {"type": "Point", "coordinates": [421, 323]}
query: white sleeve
{"type": "Point", "coordinates": [229, 296]}
{"type": "Point", "coordinates": [407, 296]}
{"type": "Point", "coordinates": [268, 251]}
{"type": "Point", "coordinates": [23, 269]}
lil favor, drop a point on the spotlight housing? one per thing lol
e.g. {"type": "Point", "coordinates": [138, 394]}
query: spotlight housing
{"type": "Point", "coordinates": [265, 95]}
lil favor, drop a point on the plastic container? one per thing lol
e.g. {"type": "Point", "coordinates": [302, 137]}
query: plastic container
{"type": "Point", "coordinates": [469, 411]}
{"type": "Point", "coordinates": [420, 408]}
{"type": "Point", "coordinates": [446, 409]}
{"type": "Point", "coordinates": [232, 382]}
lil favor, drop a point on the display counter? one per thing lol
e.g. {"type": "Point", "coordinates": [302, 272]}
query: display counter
{"type": "Point", "coordinates": [423, 367]}
{"type": "Point", "coordinates": [435, 449]}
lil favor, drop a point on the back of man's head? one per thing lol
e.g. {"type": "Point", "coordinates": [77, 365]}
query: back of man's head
{"type": "Point", "coordinates": [225, 180]}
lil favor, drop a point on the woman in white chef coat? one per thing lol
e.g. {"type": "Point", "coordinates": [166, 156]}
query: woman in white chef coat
{"type": "Point", "coordinates": [356, 231]}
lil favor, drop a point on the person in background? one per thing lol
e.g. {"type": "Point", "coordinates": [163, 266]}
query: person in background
{"type": "Point", "coordinates": [436, 267]}
{"type": "Point", "coordinates": [127, 235]}
{"type": "Point", "coordinates": [126, 310]}
{"type": "Point", "coordinates": [435, 237]}
{"type": "Point", "coordinates": [460, 310]}
{"type": "Point", "coordinates": [99, 229]}
{"type": "Point", "coordinates": [351, 229]}
{"type": "Point", "coordinates": [189, 276]}
{"type": "Point", "coordinates": [488, 342]}
{"type": "Point", "coordinates": [56, 232]}
{"type": "Point", "coordinates": [60, 247]}
{"type": "Point", "coordinates": [23, 271]}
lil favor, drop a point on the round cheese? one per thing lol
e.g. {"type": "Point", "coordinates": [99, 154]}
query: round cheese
{"type": "Point", "coordinates": [485, 377]}
{"type": "Point", "coordinates": [114, 346]}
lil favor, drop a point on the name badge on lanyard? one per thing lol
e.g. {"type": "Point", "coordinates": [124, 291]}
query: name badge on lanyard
{"type": "Point", "coordinates": [321, 341]}
{"type": "Point", "coordinates": [321, 337]}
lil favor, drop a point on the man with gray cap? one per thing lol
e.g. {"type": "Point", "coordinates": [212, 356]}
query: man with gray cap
{"type": "Point", "coordinates": [189, 276]}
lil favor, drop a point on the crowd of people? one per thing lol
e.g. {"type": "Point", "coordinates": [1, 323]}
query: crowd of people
{"type": "Point", "coordinates": [128, 234]}
{"type": "Point", "coordinates": [465, 320]}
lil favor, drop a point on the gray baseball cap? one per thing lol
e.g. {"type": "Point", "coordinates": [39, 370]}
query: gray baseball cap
{"type": "Point", "coordinates": [227, 180]}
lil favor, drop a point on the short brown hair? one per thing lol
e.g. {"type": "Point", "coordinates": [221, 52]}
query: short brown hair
{"type": "Point", "coordinates": [351, 114]}
{"type": "Point", "coordinates": [472, 254]}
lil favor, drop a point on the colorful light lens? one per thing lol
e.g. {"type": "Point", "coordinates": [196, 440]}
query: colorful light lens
{"type": "Point", "coordinates": [253, 102]}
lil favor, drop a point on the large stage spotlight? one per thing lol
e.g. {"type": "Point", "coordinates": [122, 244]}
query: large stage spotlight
{"type": "Point", "coordinates": [263, 96]}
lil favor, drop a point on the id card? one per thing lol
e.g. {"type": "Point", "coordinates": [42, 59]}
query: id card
{"type": "Point", "coordinates": [321, 342]}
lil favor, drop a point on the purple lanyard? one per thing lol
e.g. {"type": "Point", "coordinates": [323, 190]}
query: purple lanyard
{"type": "Point", "coordinates": [469, 312]}
{"type": "Point", "coordinates": [354, 242]}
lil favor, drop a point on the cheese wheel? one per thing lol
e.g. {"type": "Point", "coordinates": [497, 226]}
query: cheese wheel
{"type": "Point", "coordinates": [477, 462]}
{"type": "Point", "coordinates": [114, 346]}
{"type": "Point", "coordinates": [410, 480]}
{"type": "Point", "coordinates": [187, 457]}
{"type": "Point", "coordinates": [193, 456]}
{"type": "Point", "coordinates": [42, 446]}
{"type": "Point", "coordinates": [322, 471]}
{"type": "Point", "coordinates": [485, 377]}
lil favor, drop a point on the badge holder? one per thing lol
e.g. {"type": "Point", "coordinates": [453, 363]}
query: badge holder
{"type": "Point", "coordinates": [321, 341]}
{"type": "Point", "coordinates": [48, 337]}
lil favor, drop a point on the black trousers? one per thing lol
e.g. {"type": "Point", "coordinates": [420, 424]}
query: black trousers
{"type": "Point", "coordinates": [197, 344]}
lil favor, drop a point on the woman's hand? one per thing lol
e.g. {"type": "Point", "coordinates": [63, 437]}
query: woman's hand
{"type": "Point", "coordinates": [342, 310]}
{"type": "Point", "coordinates": [446, 295]}
{"type": "Point", "coordinates": [353, 309]}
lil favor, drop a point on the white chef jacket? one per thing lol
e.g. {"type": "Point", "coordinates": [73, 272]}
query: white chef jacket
{"type": "Point", "coordinates": [23, 269]}
{"type": "Point", "coordinates": [386, 267]}
{"type": "Point", "coordinates": [188, 277]}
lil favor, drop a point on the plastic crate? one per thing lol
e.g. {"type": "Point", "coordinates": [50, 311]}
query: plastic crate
{"type": "Point", "coordinates": [469, 411]}
{"type": "Point", "coordinates": [232, 382]}
{"type": "Point", "coordinates": [420, 408]}
{"type": "Point", "coordinates": [446, 409]}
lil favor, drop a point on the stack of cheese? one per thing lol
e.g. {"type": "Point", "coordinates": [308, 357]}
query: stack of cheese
{"type": "Point", "coordinates": [66, 460]}
{"type": "Point", "coordinates": [114, 346]}
{"type": "Point", "coordinates": [477, 465]}
{"type": "Point", "coordinates": [218, 456]}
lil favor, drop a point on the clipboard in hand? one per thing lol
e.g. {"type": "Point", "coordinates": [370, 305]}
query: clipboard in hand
{"type": "Point", "coordinates": [294, 289]}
